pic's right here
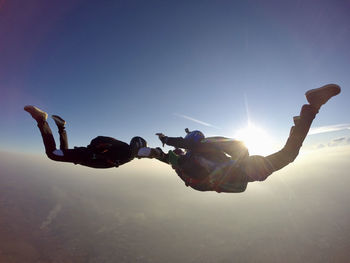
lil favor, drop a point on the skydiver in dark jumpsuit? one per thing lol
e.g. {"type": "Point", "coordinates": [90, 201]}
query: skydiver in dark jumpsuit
{"type": "Point", "coordinates": [102, 152]}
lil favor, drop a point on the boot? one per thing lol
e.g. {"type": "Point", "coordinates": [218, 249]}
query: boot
{"type": "Point", "coordinates": [37, 114]}
{"type": "Point", "coordinates": [59, 121]}
{"type": "Point", "coordinates": [318, 97]}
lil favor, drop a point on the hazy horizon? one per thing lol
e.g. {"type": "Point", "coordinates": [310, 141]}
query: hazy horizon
{"type": "Point", "coordinates": [131, 214]}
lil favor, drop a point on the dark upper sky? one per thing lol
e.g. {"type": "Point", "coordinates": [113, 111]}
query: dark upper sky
{"type": "Point", "coordinates": [122, 68]}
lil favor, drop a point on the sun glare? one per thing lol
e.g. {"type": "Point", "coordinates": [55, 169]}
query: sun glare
{"type": "Point", "coordinates": [256, 139]}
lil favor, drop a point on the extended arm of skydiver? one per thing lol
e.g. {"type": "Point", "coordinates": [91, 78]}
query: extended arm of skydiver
{"type": "Point", "coordinates": [176, 142]}
{"type": "Point", "coordinates": [234, 148]}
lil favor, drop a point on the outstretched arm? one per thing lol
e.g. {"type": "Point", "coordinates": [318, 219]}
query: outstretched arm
{"type": "Point", "coordinates": [177, 142]}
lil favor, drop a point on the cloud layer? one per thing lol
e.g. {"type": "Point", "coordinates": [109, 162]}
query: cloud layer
{"type": "Point", "coordinates": [142, 212]}
{"type": "Point", "coordinates": [329, 128]}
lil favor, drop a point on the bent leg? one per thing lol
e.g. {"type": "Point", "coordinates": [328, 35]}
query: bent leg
{"type": "Point", "coordinates": [78, 155]}
{"type": "Point", "coordinates": [63, 138]}
{"type": "Point", "coordinates": [258, 168]}
{"type": "Point", "coordinates": [61, 131]}
{"type": "Point", "coordinates": [63, 155]}
{"type": "Point", "coordinates": [296, 138]}
{"type": "Point", "coordinates": [48, 139]}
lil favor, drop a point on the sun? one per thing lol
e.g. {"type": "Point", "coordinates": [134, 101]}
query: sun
{"type": "Point", "coordinates": [256, 139]}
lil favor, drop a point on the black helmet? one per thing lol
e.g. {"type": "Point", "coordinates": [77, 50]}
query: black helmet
{"type": "Point", "coordinates": [137, 143]}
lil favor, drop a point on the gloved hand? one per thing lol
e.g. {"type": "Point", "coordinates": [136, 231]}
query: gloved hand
{"type": "Point", "coordinates": [162, 138]}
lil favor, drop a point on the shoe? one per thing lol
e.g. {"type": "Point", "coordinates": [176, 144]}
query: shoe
{"type": "Point", "coordinates": [58, 120]}
{"type": "Point", "coordinates": [318, 97]}
{"type": "Point", "coordinates": [36, 113]}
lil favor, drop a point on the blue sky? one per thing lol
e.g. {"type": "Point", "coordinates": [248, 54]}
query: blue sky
{"type": "Point", "coordinates": [126, 68]}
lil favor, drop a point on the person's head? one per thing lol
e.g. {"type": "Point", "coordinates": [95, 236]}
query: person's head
{"type": "Point", "coordinates": [194, 136]}
{"type": "Point", "coordinates": [136, 144]}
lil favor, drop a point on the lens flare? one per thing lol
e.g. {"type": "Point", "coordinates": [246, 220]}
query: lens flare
{"type": "Point", "coordinates": [256, 139]}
